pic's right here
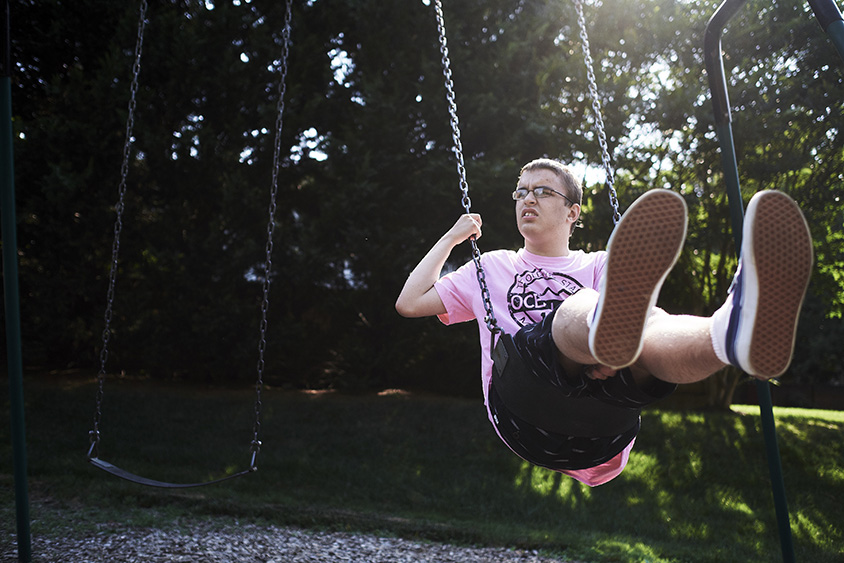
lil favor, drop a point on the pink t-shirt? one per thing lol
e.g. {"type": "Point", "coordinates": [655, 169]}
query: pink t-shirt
{"type": "Point", "coordinates": [524, 288]}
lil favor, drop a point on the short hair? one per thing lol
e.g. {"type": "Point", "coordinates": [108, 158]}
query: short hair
{"type": "Point", "coordinates": [563, 172]}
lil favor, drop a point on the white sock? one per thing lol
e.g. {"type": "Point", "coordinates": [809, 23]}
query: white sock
{"type": "Point", "coordinates": [718, 329]}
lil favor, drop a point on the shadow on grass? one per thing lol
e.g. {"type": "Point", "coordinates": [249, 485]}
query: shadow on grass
{"type": "Point", "coordinates": [696, 488]}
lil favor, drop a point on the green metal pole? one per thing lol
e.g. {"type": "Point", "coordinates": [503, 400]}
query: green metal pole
{"type": "Point", "coordinates": [723, 128]}
{"type": "Point", "coordinates": [763, 388]}
{"type": "Point", "coordinates": [829, 16]}
{"type": "Point", "coordinates": [11, 293]}
{"type": "Point", "coordinates": [836, 34]}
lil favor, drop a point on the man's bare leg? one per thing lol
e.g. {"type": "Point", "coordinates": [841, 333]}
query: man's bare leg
{"type": "Point", "coordinates": [676, 348]}
{"type": "Point", "coordinates": [754, 329]}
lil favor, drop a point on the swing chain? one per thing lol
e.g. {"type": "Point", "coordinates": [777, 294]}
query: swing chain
{"type": "Point", "coordinates": [118, 227]}
{"type": "Point", "coordinates": [265, 301]}
{"type": "Point", "coordinates": [490, 320]}
{"type": "Point", "coordinates": [596, 108]}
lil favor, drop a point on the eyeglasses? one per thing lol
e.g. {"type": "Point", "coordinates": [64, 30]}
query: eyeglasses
{"type": "Point", "coordinates": [539, 193]}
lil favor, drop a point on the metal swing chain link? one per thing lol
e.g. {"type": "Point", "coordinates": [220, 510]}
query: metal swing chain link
{"type": "Point", "coordinates": [490, 320]}
{"type": "Point", "coordinates": [265, 301]}
{"type": "Point", "coordinates": [596, 108]}
{"type": "Point", "coordinates": [118, 226]}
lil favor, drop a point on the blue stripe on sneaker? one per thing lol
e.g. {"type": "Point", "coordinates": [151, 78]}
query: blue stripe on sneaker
{"type": "Point", "coordinates": [735, 315]}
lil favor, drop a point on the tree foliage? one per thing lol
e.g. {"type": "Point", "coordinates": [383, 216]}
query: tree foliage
{"type": "Point", "coordinates": [368, 178]}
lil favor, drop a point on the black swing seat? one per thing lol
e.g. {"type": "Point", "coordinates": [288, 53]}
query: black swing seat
{"type": "Point", "coordinates": [546, 406]}
{"type": "Point", "coordinates": [123, 474]}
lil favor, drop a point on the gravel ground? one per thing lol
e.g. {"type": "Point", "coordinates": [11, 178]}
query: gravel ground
{"type": "Point", "coordinates": [256, 544]}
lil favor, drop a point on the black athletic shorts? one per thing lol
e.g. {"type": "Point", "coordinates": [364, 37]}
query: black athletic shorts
{"type": "Point", "coordinates": [557, 451]}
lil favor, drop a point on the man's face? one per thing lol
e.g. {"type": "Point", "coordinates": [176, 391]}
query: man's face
{"type": "Point", "coordinates": [538, 218]}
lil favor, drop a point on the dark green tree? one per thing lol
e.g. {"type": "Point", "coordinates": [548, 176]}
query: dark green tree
{"type": "Point", "coordinates": [368, 177]}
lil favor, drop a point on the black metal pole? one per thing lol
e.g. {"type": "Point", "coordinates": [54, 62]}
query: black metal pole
{"type": "Point", "coordinates": [721, 107]}
{"type": "Point", "coordinates": [826, 12]}
{"type": "Point", "coordinates": [11, 292]}
{"type": "Point", "coordinates": [829, 16]}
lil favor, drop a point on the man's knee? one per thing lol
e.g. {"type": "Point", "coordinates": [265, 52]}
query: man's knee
{"type": "Point", "coordinates": [570, 329]}
{"type": "Point", "coordinates": [580, 303]}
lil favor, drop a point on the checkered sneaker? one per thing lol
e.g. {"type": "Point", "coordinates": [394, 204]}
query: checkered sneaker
{"type": "Point", "coordinates": [642, 250]}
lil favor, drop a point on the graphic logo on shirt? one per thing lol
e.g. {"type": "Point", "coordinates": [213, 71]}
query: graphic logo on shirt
{"type": "Point", "coordinates": [537, 293]}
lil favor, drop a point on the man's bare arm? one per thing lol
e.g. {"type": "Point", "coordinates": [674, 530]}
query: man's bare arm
{"type": "Point", "coordinates": [419, 298]}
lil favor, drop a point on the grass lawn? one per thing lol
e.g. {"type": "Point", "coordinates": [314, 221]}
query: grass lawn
{"type": "Point", "coordinates": [696, 488]}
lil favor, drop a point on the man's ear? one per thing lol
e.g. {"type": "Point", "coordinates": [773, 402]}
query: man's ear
{"type": "Point", "coordinates": [573, 217]}
{"type": "Point", "coordinates": [574, 212]}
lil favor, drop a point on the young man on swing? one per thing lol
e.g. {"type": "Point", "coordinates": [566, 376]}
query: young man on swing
{"type": "Point", "coordinates": [586, 324]}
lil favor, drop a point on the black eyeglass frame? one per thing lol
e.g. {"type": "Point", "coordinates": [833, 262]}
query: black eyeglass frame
{"type": "Point", "coordinates": [537, 196]}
